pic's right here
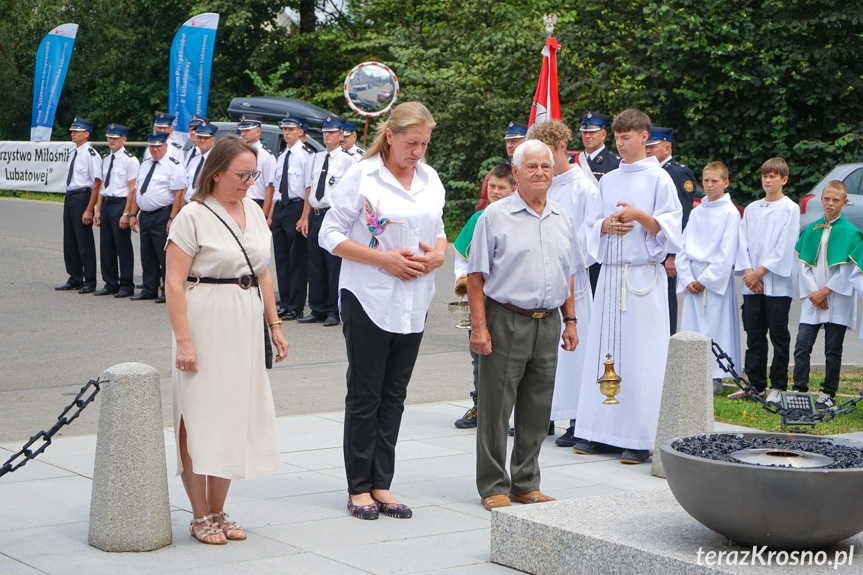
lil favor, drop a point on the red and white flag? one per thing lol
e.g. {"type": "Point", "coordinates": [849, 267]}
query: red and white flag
{"type": "Point", "coordinates": [546, 105]}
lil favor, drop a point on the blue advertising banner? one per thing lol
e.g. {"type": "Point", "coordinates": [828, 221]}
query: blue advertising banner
{"type": "Point", "coordinates": [191, 61]}
{"type": "Point", "coordinates": [52, 61]}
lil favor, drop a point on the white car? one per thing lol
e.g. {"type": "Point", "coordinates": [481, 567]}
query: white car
{"type": "Point", "coordinates": [849, 174]}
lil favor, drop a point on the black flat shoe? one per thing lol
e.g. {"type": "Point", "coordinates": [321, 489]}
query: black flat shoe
{"type": "Point", "coordinates": [86, 289]}
{"type": "Point", "coordinates": [311, 318]}
{"type": "Point", "coordinates": [332, 320]}
{"type": "Point", "coordinates": [363, 511]}
{"type": "Point", "coordinates": [105, 291]}
{"type": "Point", "coordinates": [289, 315]}
{"type": "Point", "coordinates": [141, 296]}
{"type": "Point", "coordinates": [124, 293]}
{"type": "Point", "coordinates": [67, 287]}
{"type": "Point", "coordinates": [161, 299]}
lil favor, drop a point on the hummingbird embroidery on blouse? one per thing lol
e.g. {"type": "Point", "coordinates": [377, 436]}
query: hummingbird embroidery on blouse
{"type": "Point", "coordinates": [375, 222]}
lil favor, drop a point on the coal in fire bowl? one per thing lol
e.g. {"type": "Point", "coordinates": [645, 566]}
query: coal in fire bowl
{"type": "Point", "coordinates": [790, 495]}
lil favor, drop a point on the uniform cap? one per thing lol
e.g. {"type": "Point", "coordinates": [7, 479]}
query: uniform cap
{"type": "Point", "coordinates": [332, 124]}
{"type": "Point", "coordinates": [206, 129]}
{"type": "Point", "coordinates": [163, 120]}
{"type": "Point", "coordinates": [350, 126]}
{"type": "Point", "coordinates": [292, 122]}
{"type": "Point", "coordinates": [658, 134]}
{"type": "Point", "coordinates": [116, 131]}
{"type": "Point", "coordinates": [515, 130]}
{"type": "Point", "coordinates": [196, 121]}
{"type": "Point", "coordinates": [249, 121]}
{"type": "Point", "coordinates": [81, 125]}
{"type": "Point", "coordinates": [594, 122]}
{"type": "Point", "coordinates": [156, 139]}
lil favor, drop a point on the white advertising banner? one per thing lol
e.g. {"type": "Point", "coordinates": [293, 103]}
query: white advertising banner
{"type": "Point", "coordinates": [34, 166]}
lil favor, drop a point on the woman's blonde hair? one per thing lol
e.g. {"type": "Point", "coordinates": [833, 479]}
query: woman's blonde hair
{"type": "Point", "coordinates": [221, 156]}
{"type": "Point", "coordinates": [403, 117]}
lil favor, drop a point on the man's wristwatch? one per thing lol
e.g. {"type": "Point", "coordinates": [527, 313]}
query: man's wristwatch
{"type": "Point", "coordinates": [129, 216]}
{"type": "Point", "coordinates": [575, 319]}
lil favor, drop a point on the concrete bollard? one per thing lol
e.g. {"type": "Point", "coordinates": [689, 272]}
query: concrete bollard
{"type": "Point", "coordinates": [687, 394]}
{"type": "Point", "coordinates": [129, 506]}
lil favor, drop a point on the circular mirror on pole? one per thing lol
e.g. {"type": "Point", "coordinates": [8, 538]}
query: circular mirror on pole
{"type": "Point", "coordinates": [371, 90]}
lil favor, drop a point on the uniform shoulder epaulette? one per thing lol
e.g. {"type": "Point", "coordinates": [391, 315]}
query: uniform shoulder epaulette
{"type": "Point", "coordinates": [266, 149]}
{"type": "Point", "coordinates": [175, 160]}
{"type": "Point", "coordinates": [106, 154]}
{"type": "Point", "coordinates": [348, 152]}
{"type": "Point", "coordinates": [92, 152]}
{"type": "Point", "coordinates": [176, 145]}
{"type": "Point", "coordinates": [128, 153]}
{"type": "Point", "coordinates": [308, 148]}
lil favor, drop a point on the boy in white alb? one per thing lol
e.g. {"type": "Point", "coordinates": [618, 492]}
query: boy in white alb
{"type": "Point", "coordinates": [768, 264]}
{"type": "Point", "coordinates": [637, 209]}
{"type": "Point", "coordinates": [705, 268]}
{"type": "Point", "coordinates": [829, 301]}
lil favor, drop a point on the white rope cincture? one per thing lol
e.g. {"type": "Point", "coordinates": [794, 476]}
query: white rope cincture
{"type": "Point", "coordinates": [625, 284]}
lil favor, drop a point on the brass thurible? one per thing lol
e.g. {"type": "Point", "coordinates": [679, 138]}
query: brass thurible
{"type": "Point", "coordinates": [609, 383]}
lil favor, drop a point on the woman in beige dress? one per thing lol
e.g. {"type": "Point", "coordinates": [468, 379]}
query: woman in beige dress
{"type": "Point", "coordinates": [223, 405]}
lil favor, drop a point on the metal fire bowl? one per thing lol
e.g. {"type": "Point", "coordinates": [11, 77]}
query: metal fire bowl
{"type": "Point", "coordinates": [781, 507]}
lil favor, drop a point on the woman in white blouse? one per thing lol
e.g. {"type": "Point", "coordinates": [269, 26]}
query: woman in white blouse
{"type": "Point", "coordinates": [386, 224]}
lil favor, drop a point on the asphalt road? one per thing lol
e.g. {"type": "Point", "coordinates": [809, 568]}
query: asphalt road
{"type": "Point", "coordinates": [51, 343]}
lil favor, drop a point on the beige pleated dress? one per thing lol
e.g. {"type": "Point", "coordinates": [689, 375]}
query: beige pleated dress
{"type": "Point", "coordinates": [227, 406]}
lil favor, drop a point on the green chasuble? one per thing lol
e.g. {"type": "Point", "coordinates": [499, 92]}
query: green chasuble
{"type": "Point", "coordinates": [843, 240]}
{"type": "Point", "coordinates": [857, 256]}
{"type": "Point", "coordinates": [465, 237]}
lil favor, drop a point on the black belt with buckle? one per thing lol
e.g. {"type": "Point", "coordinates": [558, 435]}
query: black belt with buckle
{"type": "Point", "coordinates": [78, 191]}
{"type": "Point", "coordinates": [320, 211]}
{"type": "Point", "coordinates": [245, 281]}
{"type": "Point", "coordinates": [532, 313]}
{"type": "Point", "coordinates": [291, 201]}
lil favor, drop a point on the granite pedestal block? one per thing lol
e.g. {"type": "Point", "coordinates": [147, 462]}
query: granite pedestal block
{"type": "Point", "coordinates": [640, 533]}
{"type": "Point", "coordinates": [129, 507]}
{"type": "Point", "coordinates": [687, 393]}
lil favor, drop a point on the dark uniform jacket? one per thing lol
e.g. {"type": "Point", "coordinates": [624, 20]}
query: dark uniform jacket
{"type": "Point", "coordinates": [684, 180]}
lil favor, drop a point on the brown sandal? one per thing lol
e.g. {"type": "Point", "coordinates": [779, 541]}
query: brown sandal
{"type": "Point", "coordinates": [228, 527]}
{"type": "Point", "coordinates": [209, 529]}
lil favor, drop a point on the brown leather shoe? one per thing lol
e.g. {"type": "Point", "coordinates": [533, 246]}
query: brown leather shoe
{"type": "Point", "coordinates": [495, 501]}
{"type": "Point", "coordinates": [532, 497]}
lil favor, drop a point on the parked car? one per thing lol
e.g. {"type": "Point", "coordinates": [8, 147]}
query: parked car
{"type": "Point", "coordinates": [849, 174]}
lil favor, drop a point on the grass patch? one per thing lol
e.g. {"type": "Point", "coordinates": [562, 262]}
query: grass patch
{"type": "Point", "coordinates": [45, 196]}
{"type": "Point", "coordinates": [751, 414]}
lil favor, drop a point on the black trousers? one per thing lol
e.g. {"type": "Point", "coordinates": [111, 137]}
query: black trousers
{"type": "Point", "coordinates": [763, 315]}
{"type": "Point", "coordinates": [116, 244]}
{"type": "Point", "coordinates": [79, 247]}
{"type": "Point", "coordinates": [672, 303]}
{"type": "Point", "coordinates": [324, 270]}
{"type": "Point", "coordinates": [153, 237]}
{"type": "Point", "coordinates": [292, 265]}
{"type": "Point", "coordinates": [834, 337]}
{"type": "Point", "coordinates": [593, 274]}
{"type": "Point", "coordinates": [260, 204]}
{"type": "Point", "coordinates": [380, 364]}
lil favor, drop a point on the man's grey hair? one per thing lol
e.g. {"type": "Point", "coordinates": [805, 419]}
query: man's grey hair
{"type": "Point", "coordinates": [530, 147]}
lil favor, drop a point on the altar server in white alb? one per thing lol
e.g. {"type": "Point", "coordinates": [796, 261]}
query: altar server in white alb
{"type": "Point", "coordinates": [572, 190]}
{"type": "Point", "coordinates": [768, 264]}
{"type": "Point", "coordinates": [638, 203]}
{"type": "Point", "coordinates": [825, 249]}
{"type": "Point", "coordinates": [705, 269]}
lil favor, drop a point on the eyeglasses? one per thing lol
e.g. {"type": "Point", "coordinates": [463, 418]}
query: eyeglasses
{"type": "Point", "coordinates": [245, 176]}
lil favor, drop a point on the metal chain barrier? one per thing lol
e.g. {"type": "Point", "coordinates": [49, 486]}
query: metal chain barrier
{"type": "Point", "coordinates": [26, 453]}
{"type": "Point", "coordinates": [797, 415]}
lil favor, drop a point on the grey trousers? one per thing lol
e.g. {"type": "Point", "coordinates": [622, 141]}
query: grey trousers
{"type": "Point", "coordinates": [519, 372]}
